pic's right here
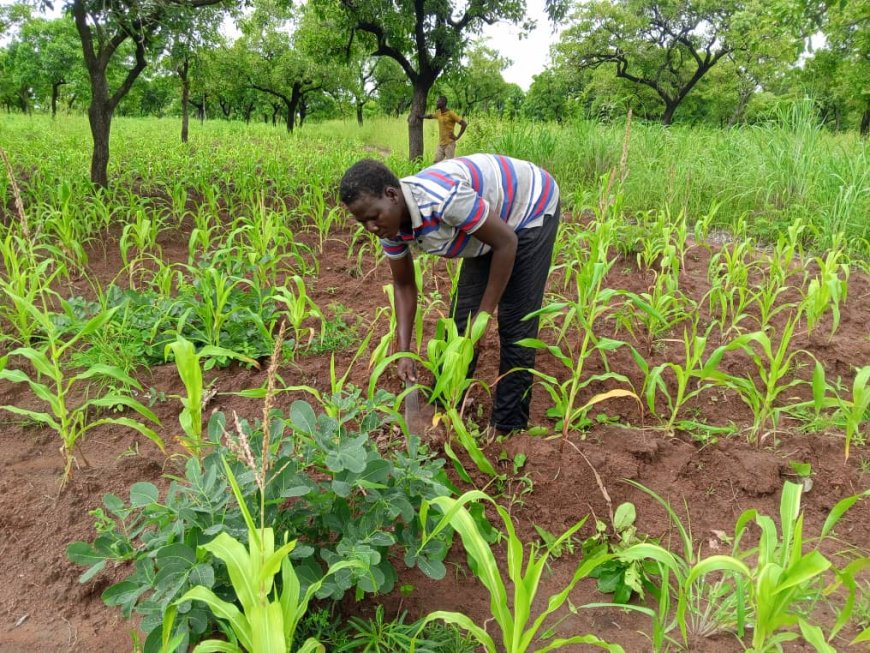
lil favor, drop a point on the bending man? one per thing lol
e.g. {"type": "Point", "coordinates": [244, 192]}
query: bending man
{"type": "Point", "coordinates": [499, 214]}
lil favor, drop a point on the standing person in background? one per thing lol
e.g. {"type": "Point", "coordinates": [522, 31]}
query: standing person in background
{"type": "Point", "coordinates": [501, 216]}
{"type": "Point", "coordinates": [447, 121]}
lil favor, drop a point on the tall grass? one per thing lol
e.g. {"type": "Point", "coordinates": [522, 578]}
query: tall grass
{"type": "Point", "coordinates": [768, 174]}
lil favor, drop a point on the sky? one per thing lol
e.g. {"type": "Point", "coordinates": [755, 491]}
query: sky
{"type": "Point", "coordinates": [531, 54]}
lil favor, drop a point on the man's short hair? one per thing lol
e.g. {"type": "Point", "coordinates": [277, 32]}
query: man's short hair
{"type": "Point", "coordinates": [366, 176]}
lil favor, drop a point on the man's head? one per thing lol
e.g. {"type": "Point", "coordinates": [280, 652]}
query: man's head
{"type": "Point", "coordinates": [441, 102]}
{"type": "Point", "coordinates": [371, 192]}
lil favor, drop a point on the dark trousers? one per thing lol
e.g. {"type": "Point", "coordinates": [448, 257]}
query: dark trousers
{"type": "Point", "coordinates": [523, 295]}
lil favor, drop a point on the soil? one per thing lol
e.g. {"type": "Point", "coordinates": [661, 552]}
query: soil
{"type": "Point", "coordinates": [44, 607]}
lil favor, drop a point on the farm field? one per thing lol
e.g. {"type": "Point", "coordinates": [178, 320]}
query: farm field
{"type": "Point", "coordinates": [719, 359]}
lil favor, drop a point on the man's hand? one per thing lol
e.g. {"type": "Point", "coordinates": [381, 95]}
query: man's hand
{"type": "Point", "coordinates": [407, 370]}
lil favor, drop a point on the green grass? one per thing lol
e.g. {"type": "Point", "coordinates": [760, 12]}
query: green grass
{"type": "Point", "coordinates": [769, 175]}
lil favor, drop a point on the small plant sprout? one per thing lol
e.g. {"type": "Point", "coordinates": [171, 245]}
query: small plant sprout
{"type": "Point", "coordinates": [53, 385]}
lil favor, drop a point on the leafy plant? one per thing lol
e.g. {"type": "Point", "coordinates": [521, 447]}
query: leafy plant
{"type": "Point", "coordinates": [298, 308]}
{"type": "Point", "coordinates": [332, 490]}
{"type": "Point", "coordinates": [773, 365]}
{"type": "Point", "coordinates": [72, 422]}
{"type": "Point", "coordinates": [827, 290]}
{"type": "Point", "coordinates": [264, 624]}
{"type": "Point", "coordinates": [216, 301]}
{"type": "Point", "coordinates": [692, 368]}
{"type": "Point", "coordinates": [518, 629]}
{"type": "Point", "coordinates": [621, 577]}
{"type": "Point", "coordinates": [187, 362]}
{"type": "Point", "coordinates": [778, 582]}
{"type": "Point", "coordinates": [449, 356]}
{"type": "Point", "coordinates": [853, 411]}
{"type": "Point", "coordinates": [382, 635]}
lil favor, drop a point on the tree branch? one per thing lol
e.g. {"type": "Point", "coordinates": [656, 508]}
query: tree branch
{"type": "Point", "coordinates": [132, 74]}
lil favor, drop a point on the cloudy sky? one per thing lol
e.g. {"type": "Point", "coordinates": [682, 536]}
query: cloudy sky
{"type": "Point", "coordinates": [531, 54]}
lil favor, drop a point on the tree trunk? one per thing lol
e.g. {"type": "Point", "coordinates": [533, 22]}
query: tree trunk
{"type": "Point", "coordinates": [55, 93]}
{"type": "Point", "coordinates": [865, 122]}
{"type": "Point", "coordinates": [668, 115]}
{"type": "Point", "coordinates": [415, 121]}
{"type": "Point", "coordinates": [359, 114]}
{"type": "Point", "coordinates": [291, 117]}
{"type": "Point", "coordinates": [226, 107]}
{"type": "Point", "coordinates": [100, 119]}
{"type": "Point", "coordinates": [303, 110]}
{"type": "Point", "coordinates": [185, 100]}
{"type": "Point", "coordinates": [248, 111]}
{"type": "Point", "coordinates": [24, 101]}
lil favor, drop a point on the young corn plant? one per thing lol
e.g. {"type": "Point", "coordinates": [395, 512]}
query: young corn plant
{"type": "Point", "coordinates": [778, 582]}
{"type": "Point", "coordinates": [138, 242]}
{"type": "Point", "coordinates": [187, 362]}
{"type": "Point", "coordinates": [853, 411]}
{"type": "Point", "coordinates": [52, 384]}
{"type": "Point", "coordinates": [448, 359]}
{"type": "Point", "coordinates": [363, 246]}
{"type": "Point", "coordinates": [312, 206]}
{"type": "Point", "coordinates": [729, 296]}
{"type": "Point", "coordinates": [216, 308]}
{"type": "Point", "coordinates": [693, 368]}
{"type": "Point", "coordinates": [269, 616]}
{"type": "Point", "coordinates": [265, 241]}
{"type": "Point", "coordinates": [773, 365]}
{"type": "Point", "coordinates": [381, 351]}
{"type": "Point", "coordinates": [518, 624]}
{"type": "Point", "coordinates": [593, 302]}
{"type": "Point", "coordinates": [299, 308]}
{"type": "Point", "coordinates": [62, 221]}
{"type": "Point", "coordinates": [205, 233]}
{"type": "Point", "coordinates": [25, 282]}
{"type": "Point", "coordinates": [828, 289]}
{"type": "Point", "coordinates": [657, 311]}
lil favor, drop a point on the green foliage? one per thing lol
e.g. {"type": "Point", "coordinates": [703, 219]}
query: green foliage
{"type": "Point", "coordinates": [774, 365]}
{"type": "Point", "coordinates": [264, 624]}
{"type": "Point", "coordinates": [52, 384]}
{"type": "Point", "coordinates": [778, 582]}
{"type": "Point", "coordinates": [382, 635]}
{"type": "Point", "coordinates": [448, 358]}
{"type": "Point", "coordinates": [519, 630]}
{"type": "Point", "coordinates": [332, 491]}
{"type": "Point", "coordinates": [851, 411]}
{"type": "Point", "coordinates": [621, 577]}
{"type": "Point", "coordinates": [187, 362]}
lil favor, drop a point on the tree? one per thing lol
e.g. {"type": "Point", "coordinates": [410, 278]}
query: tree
{"type": "Point", "coordinates": [848, 35]}
{"type": "Point", "coordinates": [103, 28]}
{"type": "Point", "coordinates": [548, 96]}
{"type": "Point", "coordinates": [665, 45]}
{"type": "Point", "coordinates": [393, 87]}
{"type": "Point", "coordinates": [47, 57]}
{"type": "Point", "coordinates": [423, 37]}
{"type": "Point", "coordinates": [196, 33]}
{"type": "Point", "coordinates": [477, 82]}
{"type": "Point", "coordinates": [274, 65]}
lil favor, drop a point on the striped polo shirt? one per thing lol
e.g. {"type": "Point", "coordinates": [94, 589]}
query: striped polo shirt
{"type": "Point", "coordinates": [450, 200]}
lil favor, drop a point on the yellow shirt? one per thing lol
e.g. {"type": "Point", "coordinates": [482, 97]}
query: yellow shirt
{"type": "Point", "coordinates": [446, 123]}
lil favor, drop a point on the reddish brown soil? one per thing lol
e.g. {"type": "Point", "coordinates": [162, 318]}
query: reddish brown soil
{"type": "Point", "coordinates": [43, 607]}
